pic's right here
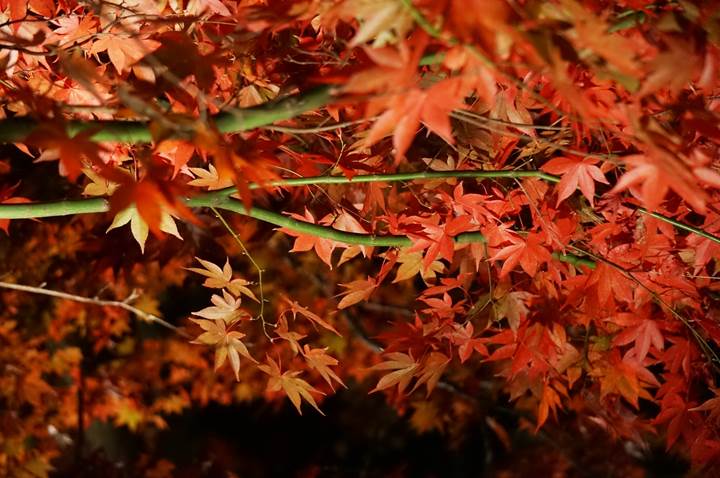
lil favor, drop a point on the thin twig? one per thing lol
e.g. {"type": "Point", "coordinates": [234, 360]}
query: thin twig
{"type": "Point", "coordinates": [702, 343]}
{"type": "Point", "coordinates": [259, 270]}
{"type": "Point", "coordinates": [151, 318]}
{"type": "Point", "coordinates": [317, 129]}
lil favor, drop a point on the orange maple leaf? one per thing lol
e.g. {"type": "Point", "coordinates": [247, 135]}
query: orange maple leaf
{"type": "Point", "coordinates": [6, 197]}
{"type": "Point", "coordinates": [319, 360]}
{"type": "Point", "coordinates": [404, 368]}
{"type": "Point", "coordinates": [123, 50]}
{"type": "Point", "coordinates": [463, 338]}
{"type": "Point", "coordinates": [295, 388]}
{"type": "Point", "coordinates": [432, 369]}
{"type": "Point", "coordinates": [549, 403]}
{"type": "Point", "coordinates": [357, 290]}
{"type": "Point", "coordinates": [295, 309]}
{"type": "Point", "coordinates": [217, 278]}
{"type": "Point", "coordinates": [304, 242]}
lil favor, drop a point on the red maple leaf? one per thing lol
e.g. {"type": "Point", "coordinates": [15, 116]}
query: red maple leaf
{"type": "Point", "coordinates": [72, 151]}
{"type": "Point", "coordinates": [576, 172]}
{"type": "Point", "coordinates": [529, 253]}
{"type": "Point", "coordinates": [657, 174]}
{"type": "Point", "coordinates": [6, 197]}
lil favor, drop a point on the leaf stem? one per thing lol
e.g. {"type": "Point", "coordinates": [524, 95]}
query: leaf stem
{"type": "Point", "coordinates": [259, 270]}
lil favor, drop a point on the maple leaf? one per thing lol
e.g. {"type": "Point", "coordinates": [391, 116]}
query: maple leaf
{"type": "Point", "coordinates": [549, 403]}
{"type": "Point", "coordinates": [411, 264]}
{"type": "Point", "coordinates": [462, 336]}
{"type": "Point", "coordinates": [641, 331]}
{"type": "Point", "coordinates": [98, 186]}
{"type": "Point", "coordinates": [150, 200]}
{"type": "Point", "coordinates": [172, 404]}
{"type": "Point", "coordinates": [344, 221]}
{"type": "Point", "coordinates": [6, 197]}
{"type": "Point", "coordinates": [73, 28]}
{"type": "Point", "coordinates": [218, 278]}
{"type": "Point", "coordinates": [304, 242]}
{"type": "Point", "coordinates": [403, 113]}
{"type": "Point", "coordinates": [431, 107]}
{"type": "Point", "coordinates": [512, 306]}
{"type": "Point", "coordinates": [209, 178]}
{"type": "Point", "coordinates": [658, 174]}
{"type": "Point", "coordinates": [140, 228]}
{"type": "Point", "coordinates": [383, 21]}
{"type": "Point", "coordinates": [576, 173]}
{"type": "Point", "coordinates": [404, 368]}
{"type": "Point", "coordinates": [176, 152]}
{"type": "Point", "coordinates": [227, 343]}
{"type": "Point", "coordinates": [675, 410]}
{"type": "Point", "coordinates": [295, 309]}
{"type": "Point", "coordinates": [425, 417]}
{"type": "Point", "coordinates": [611, 284]}
{"type": "Point", "coordinates": [431, 371]}
{"type": "Point", "coordinates": [72, 151]}
{"type": "Point", "coordinates": [664, 72]}
{"type": "Point", "coordinates": [529, 253]}
{"type": "Point", "coordinates": [225, 308]}
{"type": "Point", "coordinates": [295, 388]}
{"type": "Point", "coordinates": [625, 376]}
{"type": "Point", "coordinates": [711, 405]}
{"type": "Point", "coordinates": [123, 50]}
{"type": "Point", "coordinates": [282, 330]}
{"type": "Point", "coordinates": [128, 414]}
{"type": "Point", "coordinates": [319, 360]}
{"type": "Point", "coordinates": [357, 291]}
{"type": "Point", "coordinates": [437, 237]}
{"type": "Point", "coordinates": [592, 31]}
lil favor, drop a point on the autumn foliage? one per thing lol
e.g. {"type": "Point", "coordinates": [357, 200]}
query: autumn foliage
{"type": "Point", "coordinates": [460, 206]}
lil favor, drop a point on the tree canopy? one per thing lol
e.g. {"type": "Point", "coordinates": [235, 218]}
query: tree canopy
{"type": "Point", "coordinates": [494, 214]}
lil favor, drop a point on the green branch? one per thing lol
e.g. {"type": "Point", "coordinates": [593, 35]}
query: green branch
{"type": "Point", "coordinates": [394, 177]}
{"type": "Point", "coordinates": [221, 200]}
{"type": "Point", "coordinates": [316, 230]}
{"type": "Point", "coordinates": [17, 129]}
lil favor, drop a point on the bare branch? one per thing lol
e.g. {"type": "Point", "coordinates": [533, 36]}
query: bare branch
{"type": "Point", "coordinates": [151, 318]}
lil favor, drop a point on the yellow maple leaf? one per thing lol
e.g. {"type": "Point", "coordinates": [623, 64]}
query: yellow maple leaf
{"type": "Point", "coordinates": [319, 360]}
{"type": "Point", "coordinates": [225, 308]}
{"type": "Point", "coordinates": [228, 343]}
{"type": "Point", "coordinates": [98, 186]}
{"type": "Point", "coordinates": [382, 21]}
{"type": "Point", "coordinates": [139, 227]}
{"type": "Point", "coordinates": [411, 264]}
{"type": "Point", "coordinates": [218, 278]}
{"type": "Point", "coordinates": [128, 414]}
{"type": "Point", "coordinates": [209, 178]}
